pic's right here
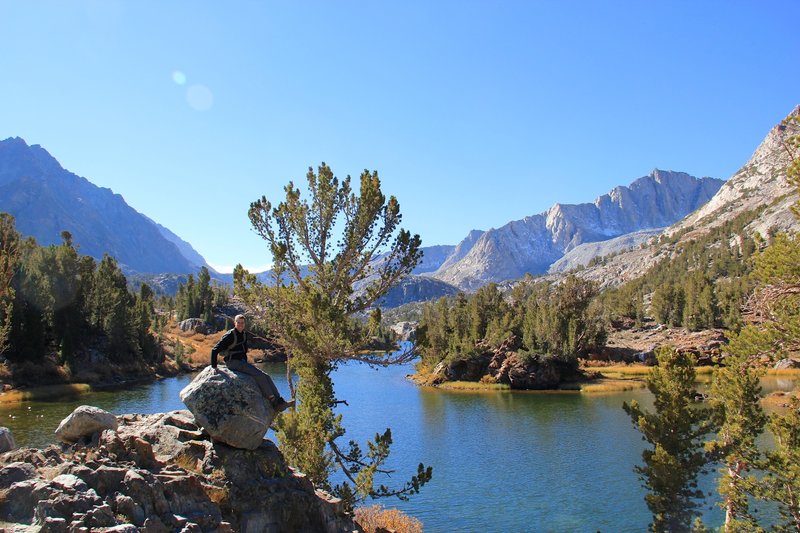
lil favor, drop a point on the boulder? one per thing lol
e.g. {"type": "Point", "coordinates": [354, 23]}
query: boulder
{"type": "Point", "coordinates": [785, 364]}
{"type": "Point", "coordinates": [84, 422]}
{"type": "Point", "coordinates": [6, 440]}
{"type": "Point", "coordinates": [529, 373]}
{"type": "Point", "coordinates": [14, 473]}
{"type": "Point", "coordinates": [196, 324]}
{"type": "Point", "coordinates": [229, 406]}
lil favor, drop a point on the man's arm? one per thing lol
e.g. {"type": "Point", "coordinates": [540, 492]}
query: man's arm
{"type": "Point", "coordinates": [223, 344]}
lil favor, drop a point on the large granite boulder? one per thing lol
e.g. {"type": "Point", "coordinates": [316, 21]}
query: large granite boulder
{"type": "Point", "coordinates": [84, 422]}
{"type": "Point", "coordinates": [229, 406]}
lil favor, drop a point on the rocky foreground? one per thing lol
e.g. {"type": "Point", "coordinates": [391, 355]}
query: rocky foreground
{"type": "Point", "coordinates": [161, 473]}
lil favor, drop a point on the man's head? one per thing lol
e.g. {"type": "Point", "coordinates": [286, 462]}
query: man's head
{"type": "Point", "coordinates": [239, 323]}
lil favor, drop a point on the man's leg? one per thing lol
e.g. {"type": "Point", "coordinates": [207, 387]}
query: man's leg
{"type": "Point", "coordinates": [264, 381]}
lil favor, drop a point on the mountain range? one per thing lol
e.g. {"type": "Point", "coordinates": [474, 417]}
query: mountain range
{"type": "Point", "coordinates": [46, 199]}
{"type": "Point", "coordinates": [533, 244]}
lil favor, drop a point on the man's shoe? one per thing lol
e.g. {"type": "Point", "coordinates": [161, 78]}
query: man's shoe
{"type": "Point", "coordinates": [282, 405]}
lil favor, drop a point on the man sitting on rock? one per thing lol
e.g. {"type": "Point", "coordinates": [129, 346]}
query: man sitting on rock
{"type": "Point", "coordinates": [234, 344]}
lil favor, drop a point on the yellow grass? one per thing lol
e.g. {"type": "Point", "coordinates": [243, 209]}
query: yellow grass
{"type": "Point", "coordinates": [43, 393]}
{"type": "Point", "coordinates": [373, 518]}
{"type": "Point", "coordinates": [197, 347]}
{"type": "Point", "coordinates": [623, 370]}
{"type": "Point", "coordinates": [473, 385]}
{"type": "Point", "coordinates": [612, 385]}
{"type": "Point", "coordinates": [604, 385]}
{"type": "Point", "coordinates": [639, 370]}
{"type": "Point", "coordinates": [791, 372]}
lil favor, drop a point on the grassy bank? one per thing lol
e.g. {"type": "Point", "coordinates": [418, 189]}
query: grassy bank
{"type": "Point", "coordinates": [45, 392]}
{"type": "Point", "coordinates": [473, 386]}
{"type": "Point", "coordinates": [604, 384]}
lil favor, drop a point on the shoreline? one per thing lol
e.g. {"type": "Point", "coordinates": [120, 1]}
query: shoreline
{"type": "Point", "coordinates": [17, 395]}
{"type": "Point", "coordinates": [609, 379]}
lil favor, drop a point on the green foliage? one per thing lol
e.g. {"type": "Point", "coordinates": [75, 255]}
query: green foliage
{"type": "Point", "coordinates": [675, 430]}
{"type": "Point", "coordinates": [197, 299]}
{"type": "Point", "coordinates": [701, 284]}
{"type": "Point", "coordinates": [111, 307]}
{"type": "Point", "coordinates": [775, 306]}
{"type": "Point", "coordinates": [179, 353]}
{"type": "Point", "coordinates": [322, 249]}
{"type": "Point", "coordinates": [700, 303]}
{"type": "Point", "coordinates": [9, 262]}
{"type": "Point", "coordinates": [559, 321]}
{"type": "Point", "coordinates": [734, 397]}
{"type": "Point", "coordinates": [57, 298]}
{"type": "Point", "coordinates": [781, 466]}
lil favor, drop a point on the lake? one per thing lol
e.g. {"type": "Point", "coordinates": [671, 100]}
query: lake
{"type": "Point", "coordinates": [502, 461]}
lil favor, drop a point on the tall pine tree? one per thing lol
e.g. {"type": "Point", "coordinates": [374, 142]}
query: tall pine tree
{"type": "Point", "coordinates": [675, 430]}
{"type": "Point", "coordinates": [336, 233]}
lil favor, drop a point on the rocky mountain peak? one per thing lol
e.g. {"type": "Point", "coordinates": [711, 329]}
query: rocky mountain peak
{"type": "Point", "coordinates": [760, 183]}
{"type": "Point", "coordinates": [532, 244]}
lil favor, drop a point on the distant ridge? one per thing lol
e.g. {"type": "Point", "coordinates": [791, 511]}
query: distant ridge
{"type": "Point", "coordinates": [534, 243]}
{"type": "Point", "coordinates": [46, 199]}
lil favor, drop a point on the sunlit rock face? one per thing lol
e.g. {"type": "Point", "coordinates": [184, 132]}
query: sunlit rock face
{"type": "Point", "coordinates": [534, 243]}
{"type": "Point", "coordinates": [229, 407]}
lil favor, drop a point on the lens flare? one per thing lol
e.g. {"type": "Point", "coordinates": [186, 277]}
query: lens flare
{"type": "Point", "coordinates": [199, 97]}
{"type": "Point", "coordinates": [179, 77]}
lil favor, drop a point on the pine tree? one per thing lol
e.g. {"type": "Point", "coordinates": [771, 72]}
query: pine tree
{"type": "Point", "coordinates": [337, 233]}
{"type": "Point", "coordinates": [143, 314]}
{"type": "Point", "coordinates": [9, 263]}
{"type": "Point", "coordinates": [675, 430]}
{"type": "Point", "coordinates": [781, 480]}
{"type": "Point", "coordinates": [735, 395]}
{"type": "Point", "coordinates": [204, 296]}
{"type": "Point", "coordinates": [111, 306]}
{"type": "Point", "coordinates": [68, 298]}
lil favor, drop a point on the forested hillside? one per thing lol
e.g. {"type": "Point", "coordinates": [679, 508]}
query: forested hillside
{"type": "Point", "coordinates": [64, 313]}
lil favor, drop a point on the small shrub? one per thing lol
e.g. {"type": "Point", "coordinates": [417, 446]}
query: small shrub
{"type": "Point", "coordinates": [377, 517]}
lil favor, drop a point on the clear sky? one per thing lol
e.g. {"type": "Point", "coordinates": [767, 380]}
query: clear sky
{"type": "Point", "coordinates": [474, 113]}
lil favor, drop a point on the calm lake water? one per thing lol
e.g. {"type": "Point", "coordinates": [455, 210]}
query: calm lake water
{"type": "Point", "coordinates": [502, 461]}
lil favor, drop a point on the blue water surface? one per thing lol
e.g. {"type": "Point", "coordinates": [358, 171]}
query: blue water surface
{"type": "Point", "coordinates": [502, 461]}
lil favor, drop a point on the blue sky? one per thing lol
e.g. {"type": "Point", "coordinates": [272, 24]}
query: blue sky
{"type": "Point", "coordinates": [473, 113]}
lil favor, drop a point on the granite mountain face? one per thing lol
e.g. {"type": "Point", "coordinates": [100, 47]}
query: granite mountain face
{"type": "Point", "coordinates": [46, 199]}
{"type": "Point", "coordinates": [760, 183]}
{"type": "Point", "coordinates": [534, 243]}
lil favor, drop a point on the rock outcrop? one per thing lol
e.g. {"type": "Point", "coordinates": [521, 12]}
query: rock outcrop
{"type": "Point", "coordinates": [158, 473]}
{"type": "Point", "coordinates": [196, 325]}
{"type": "Point", "coordinates": [504, 365]}
{"type": "Point", "coordinates": [229, 406]}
